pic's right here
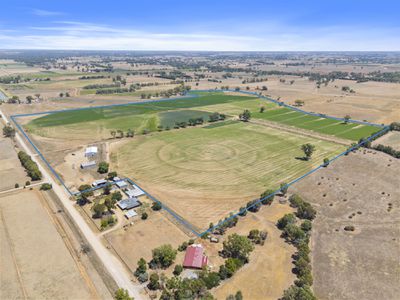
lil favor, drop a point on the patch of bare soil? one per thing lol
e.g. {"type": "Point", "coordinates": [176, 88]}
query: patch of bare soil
{"type": "Point", "coordinates": [136, 241]}
{"type": "Point", "coordinates": [360, 190]}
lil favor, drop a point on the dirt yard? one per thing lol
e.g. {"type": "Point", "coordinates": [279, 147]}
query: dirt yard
{"type": "Point", "coordinates": [360, 190]}
{"type": "Point", "coordinates": [38, 264]}
{"type": "Point", "coordinates": [136, 241]}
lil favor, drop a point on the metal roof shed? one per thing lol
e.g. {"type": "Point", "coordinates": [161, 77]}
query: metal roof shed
{"type": "Point", "coordinates": [129, 203]}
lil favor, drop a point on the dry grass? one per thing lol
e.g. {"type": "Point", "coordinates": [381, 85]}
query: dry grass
{"type": "Point", "coordinates": [361, 190]}
{"type": "Point", "coordinates": [37, 261]}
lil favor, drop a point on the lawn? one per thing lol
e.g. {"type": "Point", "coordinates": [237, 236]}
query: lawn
{"type": "Point", "coordinates": [205, 173]}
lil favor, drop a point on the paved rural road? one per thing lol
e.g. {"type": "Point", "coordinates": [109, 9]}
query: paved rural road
{"type": "Point", "coordinates": [111, 263]}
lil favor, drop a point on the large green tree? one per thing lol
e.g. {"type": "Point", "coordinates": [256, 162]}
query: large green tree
{"type": "Point", "coordinates": [237, 246]}
{"type": "Point", "coordinates": [163, 256]}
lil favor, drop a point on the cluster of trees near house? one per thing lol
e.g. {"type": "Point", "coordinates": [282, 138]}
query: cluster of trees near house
{"type": "Point", "coordinates": [236, 251]}
{"type": "Point", "coordinates": [299, 236]}
{"type": "Point", "coordinates": [30, 166]}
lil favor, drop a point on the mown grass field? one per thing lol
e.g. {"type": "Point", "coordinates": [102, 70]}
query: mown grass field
{"type": "Point", "coordinates": [138, 117]}
{"type": "Point", "coordinates": [205, 173]}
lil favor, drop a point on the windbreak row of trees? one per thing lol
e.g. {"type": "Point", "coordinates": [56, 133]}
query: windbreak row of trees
{"type": "Point", "coordinates": [30, 166]}
{"type": "Point", "coordinates": [299, 236]}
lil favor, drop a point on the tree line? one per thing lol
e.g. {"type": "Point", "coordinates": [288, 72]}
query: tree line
{"type": "Point", "coordinates": [30, 166]}
{"type": "Point", "coordinates": [299, 236]}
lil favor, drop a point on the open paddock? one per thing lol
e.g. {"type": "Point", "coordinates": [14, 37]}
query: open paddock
{"type": "Point", "coordinates": [38, 264]}
{"type": "Point", "coordinates": [205, 173]}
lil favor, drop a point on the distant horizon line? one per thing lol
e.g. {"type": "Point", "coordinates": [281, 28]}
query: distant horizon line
{"type": "Point", "coordinates": [205, 51]}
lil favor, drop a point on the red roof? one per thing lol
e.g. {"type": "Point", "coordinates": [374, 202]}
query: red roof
{"type": "Point", "coordinates": [194, 257]}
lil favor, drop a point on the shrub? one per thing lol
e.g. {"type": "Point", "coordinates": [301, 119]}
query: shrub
{"type": "Point", "coordinates": [178, 270]}
{"type": "Point", "coordinates": [210, 279]}
{"type": "Point", "coordinates": [306, 226]}
{"type": "Point", "coordinates": [46, 187]}
{"type": "Point", "coordinates": [294, 234]}
{"type": "Point", "coordinates": [286, 220]}
{"type": "Point", "coordinates": [27, 183]}
{"type": "Point", "coordinates": [253, 206]}
{"type": "Point", "coordinates": [144, 216]}
{"type": "Point", "coordinates": [163, 256]}
{"type": "Point", "coordinates": [16, 185]}
{"type": "Point", "coordinates": [267, 201]}
{"type": "Point", "coordinates": [183, 246]}
{"type": "Point", "coordinates": [156, 206]}
{"type": "Point", "coordinates": [326, 162]}
{"type": "Point", "coordinates": [103, 167]}
{"type": "Point", "coordinates": [154, 283]}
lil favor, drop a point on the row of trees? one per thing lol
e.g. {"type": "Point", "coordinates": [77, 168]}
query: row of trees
{"type": "Point", "coordinates": [266, 198]}
{"type": "Point", "coordinates": [30, 166]}
{"type": "Point", "coordinates": [299, 237]}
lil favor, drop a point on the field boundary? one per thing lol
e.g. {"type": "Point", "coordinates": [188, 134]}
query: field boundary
{"type": "Point", "coordinates": [192, 95]}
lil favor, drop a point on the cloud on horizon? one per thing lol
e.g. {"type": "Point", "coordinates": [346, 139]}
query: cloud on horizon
{"type": "Point", "coordinates": [92, 36]}
{"type": "Point", "coordinates": [45, 13]}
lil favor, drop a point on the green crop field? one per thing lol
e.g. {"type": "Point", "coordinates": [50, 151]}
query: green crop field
{"type": "Point", "coordinates": [205, 173]}
{"type": "Point", "coordinates": [333, 127]}
{"type": "Point", "coordinates": [138, 117]}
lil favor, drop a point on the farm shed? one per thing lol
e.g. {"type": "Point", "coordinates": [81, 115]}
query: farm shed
{"type": "Point", "coordinates": [91, 151]}
{"type": "Point", "coordinates": [130, 213]}
{"type": "Point", "coordinates": [99, 182]}
{"type": "Point", "coordinates": [88, 164]}
{"type": "Point", "coordinates": [121, 184]}
{"type": "Point", "coordinates": [194, 257]}
{"type": "Point", "coordinates": [128, 203]}
{"type": "Point", "coordinates": [135, 192]}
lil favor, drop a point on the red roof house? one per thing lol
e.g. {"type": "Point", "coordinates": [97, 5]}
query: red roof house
{"type": "Point", "coordinates": [194, 257]}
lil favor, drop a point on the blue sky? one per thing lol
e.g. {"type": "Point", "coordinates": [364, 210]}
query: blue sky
{"type": "Point", "coordinates": [250, 25]}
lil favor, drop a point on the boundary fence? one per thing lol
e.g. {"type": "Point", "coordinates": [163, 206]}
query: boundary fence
{"type": "Point", "coordinates": [191, 95]}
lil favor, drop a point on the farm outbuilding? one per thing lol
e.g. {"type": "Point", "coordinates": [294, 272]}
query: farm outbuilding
{"type": "Point", "coordinates": [91, 151]}
{"type": "Point", "coordinates": [135, 192]}
{"type": "Point", "coordinates": [121, 184]}
{"type": "Point", "coordinates": [130, 213]}
{"type": "Point", "coordinates": [99, 182]}
{"type": "Point", "coordinates": [88, 164]}
{"type": "Point", "coordinates": [194, 257]}
{"type": "Point", "coordinates": [129, 203]}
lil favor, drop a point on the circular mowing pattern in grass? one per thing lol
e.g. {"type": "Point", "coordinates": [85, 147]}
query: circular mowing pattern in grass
{"type": "Point", "coordinates": [203, 156]}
